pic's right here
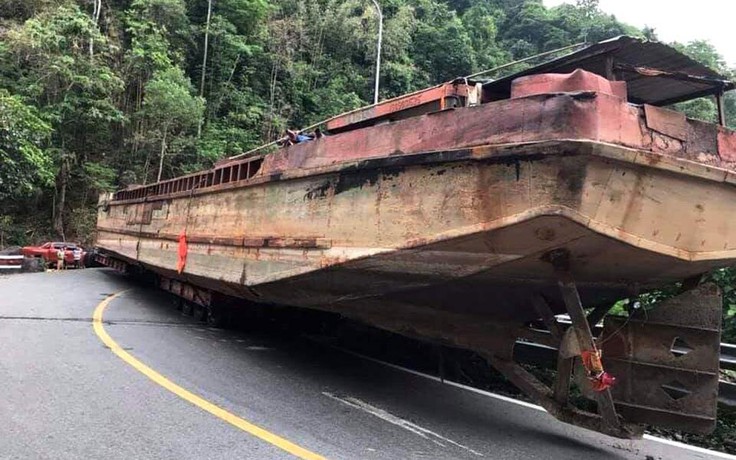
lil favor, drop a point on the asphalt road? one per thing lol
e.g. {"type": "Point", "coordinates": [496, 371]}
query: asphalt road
{"type": "Point", "coordinates": [67, 395]}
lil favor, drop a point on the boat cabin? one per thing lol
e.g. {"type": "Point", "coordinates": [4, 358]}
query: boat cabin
{"type": "Point", "coordinates": [654, 74]}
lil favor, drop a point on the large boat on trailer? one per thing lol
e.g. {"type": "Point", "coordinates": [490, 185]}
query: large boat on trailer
{"type": "Point", "coordinates": [466, 212]}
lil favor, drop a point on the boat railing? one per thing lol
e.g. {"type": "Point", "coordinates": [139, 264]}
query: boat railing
{"type": "Point", "coordinates": [232, 172]}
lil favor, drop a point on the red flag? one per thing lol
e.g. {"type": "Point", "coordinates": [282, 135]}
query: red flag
{"type": "Point", "coordinates": [182, 252]}
{"type": "Point", "coordinates": [599, 379]}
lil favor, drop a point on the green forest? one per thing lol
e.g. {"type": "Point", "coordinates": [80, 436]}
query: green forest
{"type": "Point", "coordinates": [97, 95]}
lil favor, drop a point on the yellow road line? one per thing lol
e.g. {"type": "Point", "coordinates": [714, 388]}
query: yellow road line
{"type": "Point", "coordinates": [187, 395]}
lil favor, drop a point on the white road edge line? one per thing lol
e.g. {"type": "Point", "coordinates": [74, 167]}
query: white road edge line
{"type": "Point", "coordinates": [681, 445]}
{"type": "Point", "coordinates": [400, 422]}
{"type": "Point", "coordinates": [649, 437]}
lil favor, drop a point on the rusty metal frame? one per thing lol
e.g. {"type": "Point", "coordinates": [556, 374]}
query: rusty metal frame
{"type": "Point", "coordinates": [373, 113]}
{"type": "Point", "coordinates": [187, 291]}
{"type": "Point", "coordinates": [112, 262]}
{"type": "Point", "coordinates": [564, 412]}
{"type": "Point", "coordinates": [584, 340]}
{"type": "Point", "coordinates": [661, 382]}
{"type": "Point", "coordinates": [569, 342]}
{"type": "Point", "coordinates": [641, 352]}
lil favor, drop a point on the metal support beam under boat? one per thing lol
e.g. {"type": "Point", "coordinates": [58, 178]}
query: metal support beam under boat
{"type": "Point", "coordinates": [571, 343]}
{"type": "Point", "coordinates": [653, 384]}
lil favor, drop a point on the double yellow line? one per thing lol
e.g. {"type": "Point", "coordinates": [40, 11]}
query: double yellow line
{"type": "Point", "coordinates": [187, 395]}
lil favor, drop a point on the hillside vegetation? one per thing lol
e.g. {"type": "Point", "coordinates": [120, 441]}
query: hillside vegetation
{"type": "Point", "coordinates": [98, 95]}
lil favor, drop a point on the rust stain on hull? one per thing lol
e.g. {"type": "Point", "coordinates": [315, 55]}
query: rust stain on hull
{"type": "Point", "coordinates": [475, 219]}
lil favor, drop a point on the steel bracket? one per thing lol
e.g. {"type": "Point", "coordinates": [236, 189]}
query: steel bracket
{"type": "Point", "coordinates": [556, 400]}
{"type": "Point", "coordinates": [666, 361]}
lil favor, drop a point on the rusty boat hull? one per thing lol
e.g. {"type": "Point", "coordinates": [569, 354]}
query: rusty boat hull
{"type": "Point", "coordinates": [455, 217]}
{"type": "Point", "coordinates": [451, 233]}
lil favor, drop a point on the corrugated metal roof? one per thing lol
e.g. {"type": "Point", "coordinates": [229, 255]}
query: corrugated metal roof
{"type": "Point", "coordinates": [627, 54]}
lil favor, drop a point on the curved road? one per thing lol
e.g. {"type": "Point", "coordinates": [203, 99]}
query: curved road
{"type": "Point", "coordinates": [65, 394]}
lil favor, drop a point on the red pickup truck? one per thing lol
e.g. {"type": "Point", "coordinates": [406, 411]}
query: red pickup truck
{"type": "Point", "coordinates": [73, 253]}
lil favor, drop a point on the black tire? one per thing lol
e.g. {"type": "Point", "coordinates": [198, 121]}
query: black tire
{"type": "Point", "coordinates": [89, 259]}
{"type": "Point", "coordinates": [216, 318]}
{"type": "Point", "coordinates": [200, 313]}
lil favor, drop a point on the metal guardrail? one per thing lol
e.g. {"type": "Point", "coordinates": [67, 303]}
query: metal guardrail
{"type": "Point", "coordinates": [728, 350]}
{"type": "Point", "coordinates": [728, 356]}
{"type": "Point", "coordinates": [11, 262]}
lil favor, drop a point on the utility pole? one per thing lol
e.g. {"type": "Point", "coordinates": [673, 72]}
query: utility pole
{"type": "Point", "coordinates": [378, 50]}
{"type": "Point", "coordinates": [206, 45]}
{"type": "Point", "coordinates": [204, 62]}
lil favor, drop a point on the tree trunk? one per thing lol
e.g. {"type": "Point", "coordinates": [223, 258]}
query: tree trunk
{"type": "Point", "coordinates": [163, 152]}
{"type": "Point", "coordinates": [138, 128]}
{"type": "Point", "coordinates": [272, 98]}
{"type": "Point", "coordinates": [146, 165]}
{"type": "Point", "coordinates": [217, 106]}
{"type": "Point", "coordinates": [62, 181]}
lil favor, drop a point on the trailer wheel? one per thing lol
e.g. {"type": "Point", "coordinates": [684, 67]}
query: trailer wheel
{"type": "Point", "coordinates": [187, 308]}
{"type": "Point", "coordinates": [216, 317]}
{"type": "Point", "coordinates": [200, 313]}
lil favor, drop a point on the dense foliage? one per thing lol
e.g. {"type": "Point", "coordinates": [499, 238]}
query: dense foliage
{"type": "Point", "coordinates": [99, 95]}
{"type": "Point", "coordinates": [95, 96]}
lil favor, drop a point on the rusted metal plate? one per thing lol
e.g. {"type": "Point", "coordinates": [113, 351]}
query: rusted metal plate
{"type": "Point", "coordinates": [702, 143]}
{"type": "Point", "coordinates": [657, 383]}
{"type": "Point", "coordinates": [255, 242]}
{"type": "Point", "coordinates": [483, 222]}
{"type": "Point", "coordinates": [579, 80]}
{"type": "Point", "coordinates": [187, 291]}
{"type": "Point", "coordinates": [301, 243]}
{"type": "Point", "coordinates": [433, 97]}
{"type": "Point", "coordinates": [208, 239]}
{"type": "Point", "coordinates": [726, 144]}
{"type": "Point", "coordinates": [668, 122]}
